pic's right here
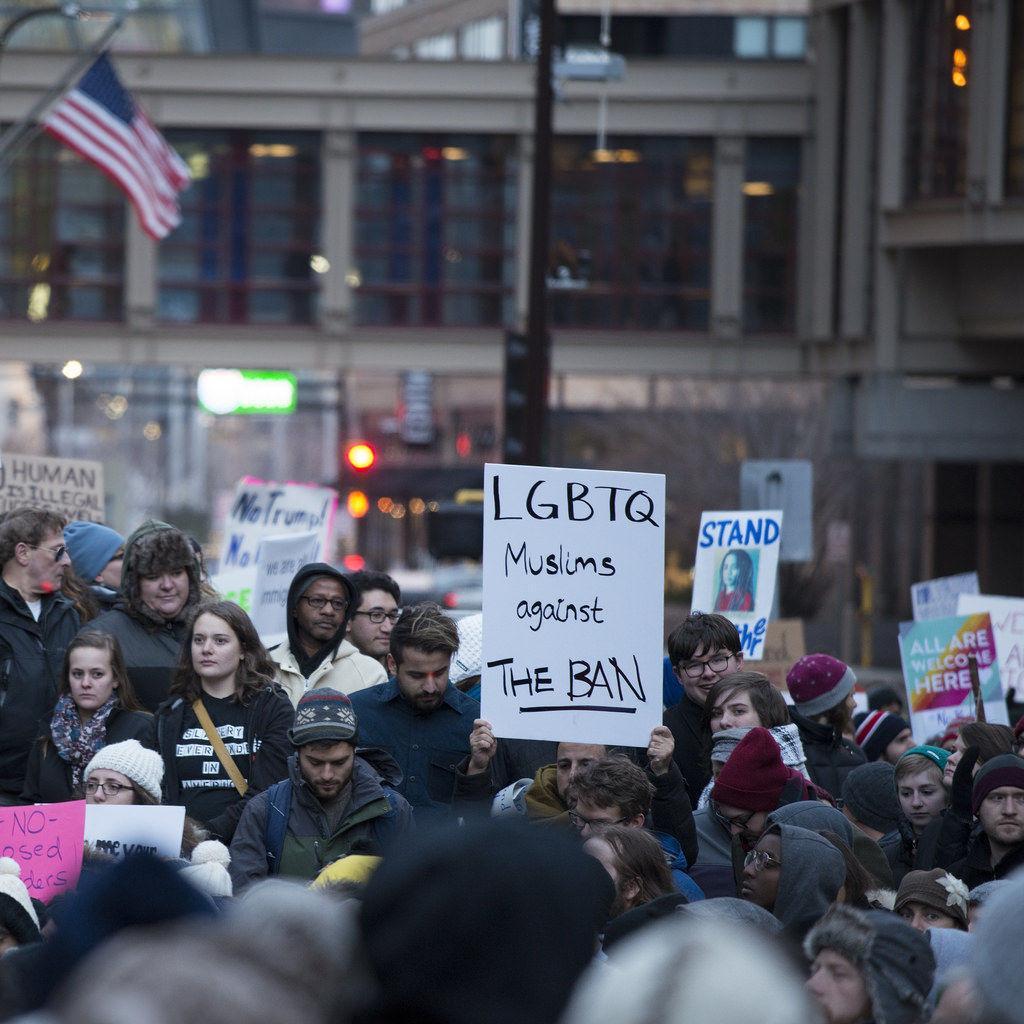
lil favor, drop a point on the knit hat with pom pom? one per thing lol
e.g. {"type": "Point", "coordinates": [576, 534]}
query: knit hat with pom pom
{"type": "Point", "coordinates": [17, 915]}
{"type": "Point", "coordinates": [208, 871]}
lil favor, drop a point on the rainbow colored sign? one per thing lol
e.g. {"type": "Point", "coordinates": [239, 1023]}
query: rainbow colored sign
{"type": "Point", "coordinates": [937, 673]}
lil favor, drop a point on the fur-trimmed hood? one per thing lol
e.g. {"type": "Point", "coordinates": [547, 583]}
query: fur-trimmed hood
{"type": "Point", "coordinates": [156, 547]}
{"type": "Point", "coordinates": [896, 960]}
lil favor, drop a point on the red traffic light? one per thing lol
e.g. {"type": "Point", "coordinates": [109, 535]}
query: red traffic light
{"type": "Point", "coordinates": [360, 456]}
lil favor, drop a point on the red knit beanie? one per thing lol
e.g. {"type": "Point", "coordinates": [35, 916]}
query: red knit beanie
{"type": "Point", "coordinates": [753, 777]}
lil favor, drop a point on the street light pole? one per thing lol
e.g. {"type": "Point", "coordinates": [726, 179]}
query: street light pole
{"type": "Point", "coordinates": [538, 341]}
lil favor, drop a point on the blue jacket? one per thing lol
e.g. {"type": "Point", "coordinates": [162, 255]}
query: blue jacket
{"type": "Point", "coordinates": [677, 865]}
{"type": "Point", "coordinates": [428, 748]}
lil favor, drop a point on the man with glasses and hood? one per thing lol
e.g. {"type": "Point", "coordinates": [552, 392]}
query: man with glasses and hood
{"type": "Point", "coordinates": [320, 604]}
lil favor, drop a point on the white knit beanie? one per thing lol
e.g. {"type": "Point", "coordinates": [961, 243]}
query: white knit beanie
{"type": "Point", "coordinates": [132, 759]}
{"type": "Point", "coordinates": [208, 871]}
{"type": "Point", "coordinates": [13, 887]}
{"type": "Point", "coordinates": [466, 661]}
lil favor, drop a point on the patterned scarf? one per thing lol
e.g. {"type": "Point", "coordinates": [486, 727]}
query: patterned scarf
{"type": "Point", "coordinates": [788, 739]}
{"type": "Point", "coordinates": [77, 743]}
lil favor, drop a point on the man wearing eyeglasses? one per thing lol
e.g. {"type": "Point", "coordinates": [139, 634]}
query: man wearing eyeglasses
{"type": "Point", "coordinates": [36, 625]}
{"type": "Point", "coordinates": [702, 649]}
{"type": "Point", "coordinates": [377, 610]}
{"type": "Point", "coordinates": [319, 606]}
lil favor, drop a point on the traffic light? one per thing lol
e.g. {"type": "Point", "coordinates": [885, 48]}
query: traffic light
{"type": "Point", "coordinates": [360, 456]}
{"type": "Point", "coordinates": [961, 42]}
{"type": "Point", "coordinates": [516, 398]}
{"type": "Point", "coordinates": [358, 504]}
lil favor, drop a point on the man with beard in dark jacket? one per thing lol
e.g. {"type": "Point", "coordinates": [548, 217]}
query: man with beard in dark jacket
{"type": "Point", "coordinates": [320, 605]}
{"type": "Point", "coordinates": [159, 588]}
{"type": "Point", "coordinates": [334, 798]}
{"type": "Point", "coordinates": [36, 625]}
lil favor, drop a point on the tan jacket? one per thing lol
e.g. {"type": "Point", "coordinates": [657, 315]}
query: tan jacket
{"type": "Point", "coordinates": [348, 671]}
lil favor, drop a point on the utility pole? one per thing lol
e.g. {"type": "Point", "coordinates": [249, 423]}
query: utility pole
{"type": "Point", "coordinates": [538, 341]}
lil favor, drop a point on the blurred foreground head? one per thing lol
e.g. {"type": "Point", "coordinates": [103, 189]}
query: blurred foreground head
{"type": "Point", "coordinates": [493, 922]}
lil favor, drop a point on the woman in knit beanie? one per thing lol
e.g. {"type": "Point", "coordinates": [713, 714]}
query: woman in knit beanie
{"type": "Point", "coordinates": [822, 690]}
{"type": "Point", "coordinates": [124, 773]}
{"type": "Point", "coordinates": [932, 899]}
{"type": "Point", "coordinates": [19, 923]}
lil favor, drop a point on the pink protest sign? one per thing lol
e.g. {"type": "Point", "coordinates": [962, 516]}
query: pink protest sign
{"type": "Point", "coordinates": [46, 841]}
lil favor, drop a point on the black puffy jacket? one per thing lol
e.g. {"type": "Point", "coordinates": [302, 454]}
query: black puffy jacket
{"type": "Point", "coordinates": [31, 657]}
{"type": "Point", "coordinates": [830, 757]}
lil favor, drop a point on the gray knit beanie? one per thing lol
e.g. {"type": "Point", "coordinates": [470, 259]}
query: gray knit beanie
{"type": "Point", "coordinates": [870, 793]}
{"type": "Point", "coordinates": [896, 960]}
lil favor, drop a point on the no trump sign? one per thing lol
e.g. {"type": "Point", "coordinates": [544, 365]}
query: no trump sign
{"type": "Point", "coordinates": [574, 568]}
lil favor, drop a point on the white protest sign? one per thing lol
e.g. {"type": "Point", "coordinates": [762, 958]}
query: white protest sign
{"type": "Point", "coordinates": [734, 573]}
{"type": "Point", "coordinates": [280, 559]}
{"type": "Point", "coordinates": [1007, 614]}
{"type": "Point", "coordinates": [72, 487]}
{"type": "Point", "coordinates": [262, 509]}
{"type": "Point", "coordinates": [574, 580]}
{"type": "Point", "coordinates": [937, 599]}
{"type": "Point", "coordinates": [120, 831]}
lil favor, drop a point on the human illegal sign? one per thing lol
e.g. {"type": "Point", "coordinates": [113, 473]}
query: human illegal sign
{"type": "Point", "coordinates": [574, 569]}
{"type": "Point", "coordinates": [72, 487]}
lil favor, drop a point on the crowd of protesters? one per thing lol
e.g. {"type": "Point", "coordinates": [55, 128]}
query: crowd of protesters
{"type": "Point", "coordinates": [360, 846]}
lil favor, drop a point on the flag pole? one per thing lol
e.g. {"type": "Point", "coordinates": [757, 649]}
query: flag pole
{"type": "Point", "coordinates": [22, 132]}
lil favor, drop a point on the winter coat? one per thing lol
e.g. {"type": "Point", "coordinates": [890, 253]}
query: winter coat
{"type": "Point", "coordinates": [31, 657]}
{"type": "Point", "coordinates": [830, 758]}
{"type": "Point", "coordinates": [677, 865]}
{"type": "Point", "coordinates": [346, 670]}
{"type": "Point", "coordinates": [377, 815]}
{"type": "Point", "coordinates": [269, 716]}
{"type": "Point", "coordinates": [685, 721]}
{"type": "Point", "coordinates": [975, 867]}
{"type": "Point", "coordinates": [150, 644]}
{"type": "Point", "coordinates": [48, 778]}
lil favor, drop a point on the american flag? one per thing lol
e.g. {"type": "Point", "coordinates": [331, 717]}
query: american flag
{"type": "Point", "coordinates": [101, 122]}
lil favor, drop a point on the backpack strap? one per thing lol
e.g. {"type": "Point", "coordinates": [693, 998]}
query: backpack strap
{"type": "Point", "coordinates": [279, 810]}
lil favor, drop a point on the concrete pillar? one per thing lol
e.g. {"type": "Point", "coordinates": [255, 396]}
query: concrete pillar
{"type": "Point", "coordinates": [858, 154]}
{"type": "Point", "coordinates": [998, 18]}
{"type": "Point", "coordinates": [823, 172]}
{"type": "Point", "coordinates": [727, 238]}
{"type": "Point", "coordinates": [140, 269]}
{"type": "Point", "coordinates": [338, 236]}
{"type": "Point", "coordinates": [174, 403]}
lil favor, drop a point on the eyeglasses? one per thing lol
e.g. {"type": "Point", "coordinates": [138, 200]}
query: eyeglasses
{"type": "Point", "coordinates": [579, 822]}
{"type": "Point", "coordinates": [58, 552]}
{"type": "Point", "coordinates": [695, 669]}
{"type": "Point", "coordinates": [339, 604]}
{"type": "Point", "coordinates": [740, 821]}
{"type": "Point", "coordinates": [378, 615]}
{"type": "Point", "coordinates": [109, 788]}
{"type": "Point", "coordinates": [761, 859]}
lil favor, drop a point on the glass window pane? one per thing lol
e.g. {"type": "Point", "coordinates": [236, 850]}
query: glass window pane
{"type": "Point", "coordinates": [789, 38]}
{"type": "Point", "coordinates": [750, 37]}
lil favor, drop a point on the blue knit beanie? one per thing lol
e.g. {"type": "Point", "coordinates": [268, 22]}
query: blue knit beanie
{"type": "Point", "coordinates": [91, 546]}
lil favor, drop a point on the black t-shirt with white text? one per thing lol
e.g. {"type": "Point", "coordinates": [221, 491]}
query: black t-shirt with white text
{"type": "Point", "coordinates": [206, 788]}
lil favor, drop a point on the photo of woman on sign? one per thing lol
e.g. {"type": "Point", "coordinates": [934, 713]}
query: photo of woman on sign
{"type": "Point", "coordinates": [736, 582]}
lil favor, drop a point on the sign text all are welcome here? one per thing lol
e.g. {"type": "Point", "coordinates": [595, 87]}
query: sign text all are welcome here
{"type": "Point", "coordinates": [573, 591]}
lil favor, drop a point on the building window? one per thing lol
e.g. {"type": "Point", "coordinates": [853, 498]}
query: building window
{"type": "Point", "coordinates": [483, 40]}
{"type": "Point", "coordinates": [435, 48]}
{"type": "Point", "coordinates": [61, 238]}
{"type": "Point", "coordinates": [937, 98]}
{"type": "Point", "coordinates": [770, 227]}
{"type": "Point", "coordinates": [789, 38]}
{"type": "Point", "coordinates": [246, 249]}
{"type": "Point", "coordinates": [750, 37]}
{"type": "Point", "coordinates": [630, 233]}
{"type": "Point", "coordinates": [1015, 135]}
{"type": "Point", "coordinates": [435, 230]}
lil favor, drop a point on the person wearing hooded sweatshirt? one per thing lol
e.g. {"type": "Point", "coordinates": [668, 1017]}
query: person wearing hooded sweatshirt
{"type": "Point", "coordinates": [97, 556]}
{"type": "Point", "coordinates": [752, 783]}
{"type": "Point", "coordinates": [37, 623]}
{"type": "Point", "coordinates": [333, 800]}
{"type": "Point", "coordinates": [320, 605]}
{"type": "Point", "coordinates": [159, 588]}
{"type": "Point", "coordinates": [794, 873]}
{"type": "Point", "coordinates": [868, 966]}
